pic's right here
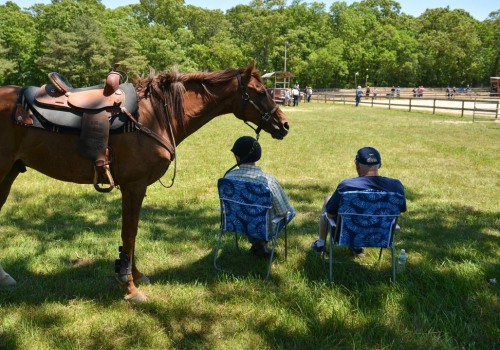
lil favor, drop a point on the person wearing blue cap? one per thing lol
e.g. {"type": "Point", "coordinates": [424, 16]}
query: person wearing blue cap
{"type": "Point", "coordinates": [368, 162]}
{"type": "Point", "coordinates": [247, 152]}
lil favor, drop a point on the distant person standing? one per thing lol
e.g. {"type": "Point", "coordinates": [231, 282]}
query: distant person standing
{"type": "Point", "coordinates": [295, 94]}
{"type": "Point", "coordinates": [368, 91]}
{"type": "Point", "coordinates": [359, 93]}
{"type": "Point", "coordinates": [287, 97]}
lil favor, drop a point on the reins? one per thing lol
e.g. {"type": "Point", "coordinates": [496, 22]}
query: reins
{"type": "Point", "coordinates": [265, 116]}
{"type": "Point", "coordinates": [161, 140]}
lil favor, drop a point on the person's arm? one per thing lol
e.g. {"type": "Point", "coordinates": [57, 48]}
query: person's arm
{"type": "Point", "coordinates": [403, 206]}
{"type": "Point", "coordinates": [332, 206]}
{"type": "Point", "coordinates": [280, 202]}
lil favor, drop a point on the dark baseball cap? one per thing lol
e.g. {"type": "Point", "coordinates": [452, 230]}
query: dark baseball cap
{"type": "Point", "coordinates": [368, 156]}
{"type": "Point", "coordinates": [247, 148]}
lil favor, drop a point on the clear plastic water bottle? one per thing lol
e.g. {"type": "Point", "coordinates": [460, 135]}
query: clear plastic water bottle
{"type": "Point", "coordinates": [402, 260]}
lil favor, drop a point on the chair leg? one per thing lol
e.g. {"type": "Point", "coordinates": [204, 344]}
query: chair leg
{"type": "Point", "coordinates": [273, 243]}
{"type": "Point", "coordinates": [380, 255]}
{"type": "Point", "coordinates": [330, 276]}
{"type": "Point", "coordinates": [286, 244]}
{"type": "Point", "coordinates": [393, 256]}
{"type": "Point", "coordinates": [216, 255]}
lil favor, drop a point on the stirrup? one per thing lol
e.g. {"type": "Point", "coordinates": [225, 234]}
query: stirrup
{"type": "Point", "coordinates": [102, 174]}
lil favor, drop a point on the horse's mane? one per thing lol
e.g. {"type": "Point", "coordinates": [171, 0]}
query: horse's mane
{"type": "Point", "coordinates": [166, 89]}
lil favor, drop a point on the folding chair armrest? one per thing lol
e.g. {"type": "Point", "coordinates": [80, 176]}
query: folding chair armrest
{"type": "Point", "coordinates": [289, 216]}
{"type": "Point", "coordinates": [277, 219]}
{"type": "Point", "coordinates": [331, 222]}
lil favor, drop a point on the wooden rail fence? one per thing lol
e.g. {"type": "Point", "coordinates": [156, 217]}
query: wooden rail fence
{"type": "Point", "coordinates": [478, 107]}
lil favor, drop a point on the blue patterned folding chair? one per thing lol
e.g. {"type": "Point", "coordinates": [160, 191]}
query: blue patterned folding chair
{"type": "Point", "coordinates": [366, 219]}
{"type": "Point", "coordinates": [245, 210]}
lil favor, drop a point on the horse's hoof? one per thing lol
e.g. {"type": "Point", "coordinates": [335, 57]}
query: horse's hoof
{"type": "Point", "coordinates": [142, 280]}
{"type": "Point", "coordinates": [7, 281]}
{"type": "Point", "coordinates": [137, 297]}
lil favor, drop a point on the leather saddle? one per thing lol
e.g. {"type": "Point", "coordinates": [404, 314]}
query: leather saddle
{"type": "Point", "coordinates": [51, 107]}
{"type": "Point", "coordinates": [93, 111]}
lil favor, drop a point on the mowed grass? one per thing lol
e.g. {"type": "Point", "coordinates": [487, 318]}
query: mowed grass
{"type": "Point", "coordinates": [60, 241]}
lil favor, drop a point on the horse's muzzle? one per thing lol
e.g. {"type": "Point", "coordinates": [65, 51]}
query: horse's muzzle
{"type": "Point", "coordinates": [280, 125]}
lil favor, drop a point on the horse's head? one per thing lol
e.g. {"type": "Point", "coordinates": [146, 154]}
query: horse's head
{"type": "Point", "coordinates": [258, 106]}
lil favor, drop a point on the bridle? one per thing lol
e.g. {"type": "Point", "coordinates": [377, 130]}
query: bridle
{"type": "Point", "coordinates": [265, 117]}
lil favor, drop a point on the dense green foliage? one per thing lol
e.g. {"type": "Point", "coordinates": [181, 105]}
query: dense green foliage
{"type": "Point", "coordinates": [326, 47]}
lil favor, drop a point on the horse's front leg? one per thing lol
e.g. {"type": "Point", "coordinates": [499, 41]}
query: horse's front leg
{"type": "Point", "coordinates": [132, 197]}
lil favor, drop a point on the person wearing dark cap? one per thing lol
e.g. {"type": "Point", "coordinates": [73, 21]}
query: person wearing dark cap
{"type": "Point", "coordinates": [368, 163]}
{"type": "Point", "coordinates": [247, 152]}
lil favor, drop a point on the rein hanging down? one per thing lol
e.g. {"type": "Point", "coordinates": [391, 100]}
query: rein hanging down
{"type": "Point", "coordinates": [265, 116]}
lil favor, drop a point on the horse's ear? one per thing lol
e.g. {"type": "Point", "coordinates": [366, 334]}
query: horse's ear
{"type": "Point", "coordinates": [249, 70]}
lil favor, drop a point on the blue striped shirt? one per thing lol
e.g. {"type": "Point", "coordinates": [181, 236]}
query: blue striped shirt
{"type": "Point", "coordinates": [253, 173]}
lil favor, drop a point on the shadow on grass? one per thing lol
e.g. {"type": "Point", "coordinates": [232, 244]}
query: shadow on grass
{"type": "Point", "coordinates": [431, 297]}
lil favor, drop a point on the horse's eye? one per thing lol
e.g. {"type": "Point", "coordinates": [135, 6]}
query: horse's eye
{"type": "Point", "coordinates": [262, 92]}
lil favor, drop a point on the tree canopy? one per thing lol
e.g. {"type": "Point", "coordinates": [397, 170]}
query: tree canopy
{"type": "Point", "coordinates": [325, 47]}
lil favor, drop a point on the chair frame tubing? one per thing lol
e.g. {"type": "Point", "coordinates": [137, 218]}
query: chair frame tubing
{"type": "Point", "coordinates": [392, 246]}
{"type": "Point", "coordinates": [273, 249]}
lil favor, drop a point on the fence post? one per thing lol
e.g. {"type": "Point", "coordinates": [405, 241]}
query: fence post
{"type": "Point", "coordinates": [463, 104]}
{"type": "Point", "coordinates": [496, 114]}
{"type": "Point", "coordinates": [434, 106]}
{"type": "Point", "coordinates": [409, 107]}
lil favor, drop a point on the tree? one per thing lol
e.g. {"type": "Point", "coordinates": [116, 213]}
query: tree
{"type": "Point", "coordinates": [123, 31]}
{"type": "Point", "coordinates": [7, 66]}
{"type": "Point", "coordinates": [326, 68]}
{"type": "Point", "coordinates": [451, 46]}
{"type": "Point", "coordinates": [491, 45]}
{"type": "Point", "coordinates": [18, 38]}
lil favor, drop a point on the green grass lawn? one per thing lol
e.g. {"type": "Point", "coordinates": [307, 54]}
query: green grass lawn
{"type": "Point", "coordinates": [60, 241]}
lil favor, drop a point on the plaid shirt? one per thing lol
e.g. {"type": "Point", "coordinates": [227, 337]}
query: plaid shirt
{"type": "Point", "coordinates": [253, 173]}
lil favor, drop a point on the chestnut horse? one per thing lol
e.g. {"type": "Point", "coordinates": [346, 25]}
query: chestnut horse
{"type": "Point", "coordinates": [171, 106]}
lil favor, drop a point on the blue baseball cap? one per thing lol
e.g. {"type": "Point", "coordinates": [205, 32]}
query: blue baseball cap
{"type": "Point", "coordinates": [368, 156]}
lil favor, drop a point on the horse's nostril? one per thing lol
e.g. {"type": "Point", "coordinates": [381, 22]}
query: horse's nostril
{"type": "Point", "coordinates": [286, 126]}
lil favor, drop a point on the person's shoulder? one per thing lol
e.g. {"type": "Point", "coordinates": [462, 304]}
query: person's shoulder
{"type": "Point", "coordinates": [390, 179]}
{"type": "Point", "coordinates": [348, 182]}
{"type": "Point", "coordinates": [394, 184]}
{"type": "Point", "coordinates": [269, 176]}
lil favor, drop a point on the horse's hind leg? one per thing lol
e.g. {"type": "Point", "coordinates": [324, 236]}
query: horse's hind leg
{"type": "Point", "coordinates": [5, 186]}
{"type": "Point", "coordinates": [8, 180]}
{"type": "Point", "coordinates": [5, 278]}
